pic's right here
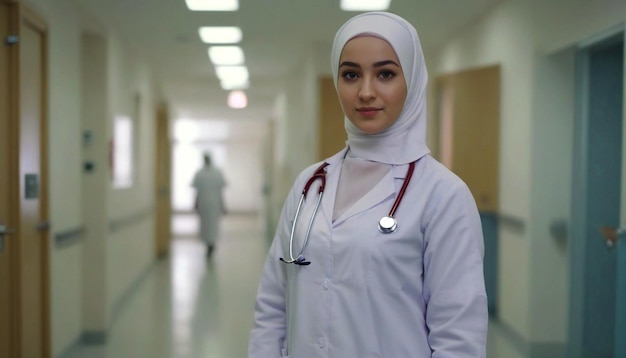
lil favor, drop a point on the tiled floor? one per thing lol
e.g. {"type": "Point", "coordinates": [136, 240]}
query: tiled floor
{"type": "Point", "coordinates": [188, 306]}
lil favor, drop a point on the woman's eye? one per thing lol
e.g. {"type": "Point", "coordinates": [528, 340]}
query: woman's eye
{"type": "Point", "coordinates": [349, 75]}
{"type": "Point", "coordinates": [386, 75]}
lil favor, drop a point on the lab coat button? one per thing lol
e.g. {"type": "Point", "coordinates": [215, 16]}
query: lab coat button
{"type": "Point", "coordinates": [321, 342]}
{"type": "Point", "coordinates": [326, 284]}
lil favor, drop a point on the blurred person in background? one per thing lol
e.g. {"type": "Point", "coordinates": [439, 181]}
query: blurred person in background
{"type": "Point", "coordinates": [209, 183]}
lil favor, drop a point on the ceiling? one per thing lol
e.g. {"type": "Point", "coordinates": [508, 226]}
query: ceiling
{"type": "Point", "coordinates": [277, 34]}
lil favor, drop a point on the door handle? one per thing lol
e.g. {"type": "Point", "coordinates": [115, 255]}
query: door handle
{"type": "Point", "coordinates": [43, 226]}
{"type": "Point", "coordinates": [611, 235]}
{"type": "Point", "coordinates": [4, 231]}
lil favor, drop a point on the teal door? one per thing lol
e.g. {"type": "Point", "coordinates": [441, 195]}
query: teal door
{"type": "Point", "coordinates": [596, 307]}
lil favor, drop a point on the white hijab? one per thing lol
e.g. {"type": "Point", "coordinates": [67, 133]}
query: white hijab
{"type": "Point", "coordinates": [405, 140]}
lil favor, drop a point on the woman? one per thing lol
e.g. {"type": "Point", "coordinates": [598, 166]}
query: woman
{"type": "Point", "coordinates": [351, 288]}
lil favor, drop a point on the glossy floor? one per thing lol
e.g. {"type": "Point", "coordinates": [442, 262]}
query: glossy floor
{"type": "Point", "coordinates": [189, 307]}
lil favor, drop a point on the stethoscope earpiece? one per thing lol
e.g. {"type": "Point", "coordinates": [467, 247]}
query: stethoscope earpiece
{"type": "Point", "coordinates": [387, 225]}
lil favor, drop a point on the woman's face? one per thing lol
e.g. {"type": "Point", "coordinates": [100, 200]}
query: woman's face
{"type": "Point", "coordinates": [370, 84]}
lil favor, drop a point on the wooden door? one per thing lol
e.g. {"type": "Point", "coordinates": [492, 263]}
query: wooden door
{"type": "Point", "coordinates": [163, 183]}
{"type": "Point", "coordinates": [469, 120]}
{"type": "Point", "coordinates": [24, 267]}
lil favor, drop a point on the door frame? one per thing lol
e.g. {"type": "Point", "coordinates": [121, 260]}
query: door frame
{"type": "Point", "coordinates": [579, 214]}
{"type": "Point", "coordinates": [19, 14]}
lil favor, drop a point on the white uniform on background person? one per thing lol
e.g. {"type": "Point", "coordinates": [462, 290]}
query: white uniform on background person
{"type": "Point", "coordinates": [209, 182]}
{"type": "Point", "coordinates": [415, 292]}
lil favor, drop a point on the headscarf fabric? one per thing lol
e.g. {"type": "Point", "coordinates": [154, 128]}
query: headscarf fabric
{"type": "Point", "coordinates": [405, 140]}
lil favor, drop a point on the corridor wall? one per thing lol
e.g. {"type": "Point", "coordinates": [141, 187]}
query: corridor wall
{"type": "Point", "coordinates": [129, 241]}
{"type": "Point", "coordinates": [534, 43]}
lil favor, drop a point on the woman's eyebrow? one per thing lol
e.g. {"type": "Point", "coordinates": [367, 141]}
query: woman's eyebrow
{"type": "Point", "coordinates": [386, 62]}
{"type": "Point", "coordinates": [349, 64]}
{"type": "Point", "coordinates": [376, 64]}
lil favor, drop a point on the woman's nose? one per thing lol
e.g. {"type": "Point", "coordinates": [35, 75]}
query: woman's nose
{"type": "Point", "coordinates": [366, 90]}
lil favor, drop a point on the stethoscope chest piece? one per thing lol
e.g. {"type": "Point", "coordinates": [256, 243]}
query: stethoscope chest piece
{"type": "Point", "coordinates": [387, 225]}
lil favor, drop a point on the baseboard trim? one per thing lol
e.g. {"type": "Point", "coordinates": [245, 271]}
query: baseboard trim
{"type": "Point", "coordinates": [527, 348]}
{"type": "Point", "coordinates": [546, 350]}
{"type": "Point", "coordinates": [99, 337]}
{"type": "Point", "coordinates": [94, 337]}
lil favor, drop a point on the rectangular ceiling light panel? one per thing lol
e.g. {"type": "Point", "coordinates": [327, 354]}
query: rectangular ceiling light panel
{"type": "Point", "coordinates": [232, 77]}
{"type": "Point", "coordinates": [226, 55]}
{"type": "Point", "coordinates": [213, 5]}
{"type": "Point", "coordinates": [220, 34]}
{"type": "Point", "coordinates": [364, 5]}
{"type": "Point", "coordinates": [232, 85]}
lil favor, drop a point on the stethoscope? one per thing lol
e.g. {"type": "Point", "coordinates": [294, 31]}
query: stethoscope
{"type": "Point", "coordinates": [386, 225]}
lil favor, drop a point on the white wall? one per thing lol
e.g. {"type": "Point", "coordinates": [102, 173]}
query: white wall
{"type": "Point", "coordinates": [558, 24]}
{"type": "Point", "coordinates": [296, 127]}
{"type": "Point", "coordinates": [243, 175]}
{"type": "Point", "coordinates": [131, 245]}
{"type": "Point", "coordinates": [128, 78]}
{"type": "Point", "coordinates": [552, 146]}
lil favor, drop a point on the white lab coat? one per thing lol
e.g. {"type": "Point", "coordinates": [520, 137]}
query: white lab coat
{"type": "Point", "coordinates": [417, 292]}
{"type": "Point", "coordinates": [209, 183]}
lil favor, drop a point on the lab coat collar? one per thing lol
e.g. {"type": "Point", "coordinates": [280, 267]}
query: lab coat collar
{"type": "Point", "coordinates": [385, 188]}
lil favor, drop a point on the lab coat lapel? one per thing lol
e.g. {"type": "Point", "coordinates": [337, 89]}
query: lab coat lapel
{"type": "Point", "coordinates": [381, 191]}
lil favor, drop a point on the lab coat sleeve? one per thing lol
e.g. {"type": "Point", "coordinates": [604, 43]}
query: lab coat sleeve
{"type": "Point", "coordinates": [454, 288]}
{"type": "Point", "coordinates": [268, 337]}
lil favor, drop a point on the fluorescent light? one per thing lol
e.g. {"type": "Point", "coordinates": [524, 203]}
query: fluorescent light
{"type": "Point", "coordinates": [230, 85]}
{"type": "Point", "coordinates": [232, 77]}
{"type": "Point", "coordinates": [237, 99]}
{"type": "Point", "coordinates": [364, 5]}
{"type": "Point", "coordinates": [231, 72]}
{"type": "Point", "coordinates": [220, 34]}
{"type": "Point", "coordinates": [226, 55]}
{"type": "Point", "coordinates": [212, 5]}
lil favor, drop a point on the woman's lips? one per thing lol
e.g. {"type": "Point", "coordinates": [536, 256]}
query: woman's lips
{"type": "Point", "coordinates": [368, 111]}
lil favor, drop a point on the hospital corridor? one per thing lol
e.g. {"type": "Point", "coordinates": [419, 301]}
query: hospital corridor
{"type": "Point", "coordinates": [187, 306]}
{"type": "Point", "coordinates": [503, 122]}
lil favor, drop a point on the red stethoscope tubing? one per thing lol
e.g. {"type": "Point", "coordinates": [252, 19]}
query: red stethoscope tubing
{"type": "Point", "coordinates": [407, 180]}
{"type": "Point", "coordinates": [320, 173]}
